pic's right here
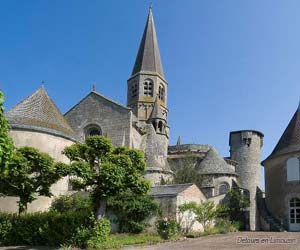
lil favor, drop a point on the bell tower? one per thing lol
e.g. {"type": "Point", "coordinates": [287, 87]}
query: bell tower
{"type": "Point", "coordinates": [147, 85]}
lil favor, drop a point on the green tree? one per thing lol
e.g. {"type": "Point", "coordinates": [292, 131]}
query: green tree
{"type": "Point", "coordinates": [30, 173]}
{"type": "Point", "coordinates": [187, 172]}
{"type": "Point", "coordinates": [6, 144]}
{"type": "Point", "coordinates": [132, 210]}
{"type": "Point", "coordinates": [106, 171]}
{"type": "Point", "coordinates": [205, 212]}
{"type": "Point", "coordinates": [235, 204]}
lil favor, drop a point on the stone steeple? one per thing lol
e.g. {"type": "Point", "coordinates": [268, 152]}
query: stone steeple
{"type": "Point", "coordinates": [147, 79]}
{"type": "Point", "coordinates": [148, 57]}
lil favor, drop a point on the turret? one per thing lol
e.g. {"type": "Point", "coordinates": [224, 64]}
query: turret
{"type": "Point", "coordinates": [245, 149]}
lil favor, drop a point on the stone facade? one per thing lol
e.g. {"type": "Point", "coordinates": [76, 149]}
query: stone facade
{"type": "Point", "coordinates": [143, 125]}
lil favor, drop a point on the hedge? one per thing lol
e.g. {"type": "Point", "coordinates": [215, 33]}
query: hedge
{"type": "Point", "coordinates": [43, 228]}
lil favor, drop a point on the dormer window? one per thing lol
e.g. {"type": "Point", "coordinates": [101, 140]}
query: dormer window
{"type": "Point", "coordinates": [161, 92]}
{"type": "Point", "coordinates": [148, 88]}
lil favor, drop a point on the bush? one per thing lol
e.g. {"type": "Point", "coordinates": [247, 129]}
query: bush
{"type": "Point", "coordinates": [132, 210]}
{"type": "Point", "coordinates": [92, 237]}
{"type": "Point", "coordinates": [224, 226]}
{"type": "Point", "coordinates": [47, 228]}
{"type": "Point", "coordinates": [167, 228]}
{"type": "Point", "coordinates": [75, 203]}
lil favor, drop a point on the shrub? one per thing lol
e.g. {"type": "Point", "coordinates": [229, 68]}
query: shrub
{"type": "Point", "coordinates": [47, 228]}
{"type": "Point", "coordinates": [99, 234]}
{"type": "Point", "coordinates": [167, 228]}
{"type": "Point", "coordinates": [75, 203]}
{"type": "Point", "coordinates": [132, 210]}
{"type": "Point", "coordinates": [224, 226]}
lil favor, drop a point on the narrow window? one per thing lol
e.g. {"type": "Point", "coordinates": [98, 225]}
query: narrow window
{"type": "Point", "coordinates": [148, 88]}
{"type": "Point", "coordinates": [160, 126]}
{"type": "Point", "coordinates": [293, 169]}
{"type": "Point", "coordinates": [134, 90]}
{"type": "Point", "coordinates": [161, 92]}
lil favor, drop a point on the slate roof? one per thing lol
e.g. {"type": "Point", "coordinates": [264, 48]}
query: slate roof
{"type": "Point", "coordinates": [169, 190]}
{"type": "Point", "coordinates": [290, 139]}
{"type": "Point", "coordinates": [39, 111]}
{"type": "Point", "coordinates": [148, 57]}
{"type": "Point", "coordinates": [213, 163]}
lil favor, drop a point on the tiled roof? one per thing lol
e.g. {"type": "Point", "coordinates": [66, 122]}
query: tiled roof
{"type": "Point", "coordinates": [148, 57]}
{"type": "Point", "coordinates": [290, 139]}
{"type": "Point", "coordinates": [39, 111]}
{"type": "Point", "coordinates": [169, 190]}
{"type": "Point", "coordinates": [213, 163]}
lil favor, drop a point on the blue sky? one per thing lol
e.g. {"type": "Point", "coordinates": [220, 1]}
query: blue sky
{"type": "Point", "coordinates": [230, 64]}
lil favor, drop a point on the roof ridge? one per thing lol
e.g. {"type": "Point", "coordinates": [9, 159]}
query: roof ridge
{"type": "Point", "coordinates": [98, 94]}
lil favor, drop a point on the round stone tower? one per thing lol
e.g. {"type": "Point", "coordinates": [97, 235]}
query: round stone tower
{"type": "Point", "coordinates": [245, 148]}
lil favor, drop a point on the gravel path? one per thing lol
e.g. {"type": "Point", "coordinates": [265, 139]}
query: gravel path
{"type": "Point", "coordinates": [260, 241]}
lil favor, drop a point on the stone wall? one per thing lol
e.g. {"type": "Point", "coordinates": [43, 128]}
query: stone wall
{"type": "Point", "coordinates": [113, 119]}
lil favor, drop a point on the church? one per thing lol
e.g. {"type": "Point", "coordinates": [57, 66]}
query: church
{"type": "Point", "coordinates": [143, 124]}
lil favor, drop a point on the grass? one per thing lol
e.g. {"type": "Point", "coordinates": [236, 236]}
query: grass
{"type": "Point", "coordinates": [116, 241]}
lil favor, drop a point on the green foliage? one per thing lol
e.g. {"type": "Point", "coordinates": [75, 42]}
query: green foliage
{"type": "Point", "coordinates": [132, 210]}
{"type": "Point", "coordinates": [92, 237]}
{"type": "Point", "coordinates": [188, 173]}
{"type": "Point", "coordinates": [223, 226]}
{"type": "Point", "coordinates": [205, 212]}
{"type": "Point", "coordinates": [105, 170]}
{"type": "Point", "coordinates": [47, 228]}
{"type": "Point", "coordinates": [167, 228]}
{"type": "Point", "coordinates": [235, 205]}
{"type": "Point", "coordinates": [117, 241]}
{"type": "Point", "coordinates": [74, 203]}
{"type": "Point", "coordinates": [99, 234]}
{"type": "Point", "coordinates": [6, 144]}
{"type": "Point", "coordinates": [30, 173]}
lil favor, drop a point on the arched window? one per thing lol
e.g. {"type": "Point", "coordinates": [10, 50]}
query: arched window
{"type": "Point", "coordinates": [223, 188]}
{"type": "Point", "coordinates": [295, 214]}
{"type": "Point", "coordinates": [161, 92]}
{"type": "Point", "coordinates": [92, 130]}
{"type": "Point", "coordinates": [293, 169]}
{"type": "Point", "coordinates": [148, 87]}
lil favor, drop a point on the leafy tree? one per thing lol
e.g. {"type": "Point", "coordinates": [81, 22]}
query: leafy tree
{"type": "Point", "coordinates": [106, 171]}
{"type": "Point", "coordinates": [132, 210]}
{"type": "Point", "coordinates": [205, 212]}
{"type": "Point", "coordinates": [235, 204]}
{"type": "Point", "coordinates": [188, 173]}
{"type": "Point", "coordinates": [6, 144]}
{"type": "Point", "coordinates": [30, 173]}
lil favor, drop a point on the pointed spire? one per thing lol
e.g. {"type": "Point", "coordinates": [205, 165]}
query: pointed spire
{"type": "Point", "coordinates": [178, 141]}
{"type": "Point", "coordinates": [148, 57]}
{"type": "Point", "coordinates": [94, 87]}
{"type": "Point", "coordinates": [156, 111]}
